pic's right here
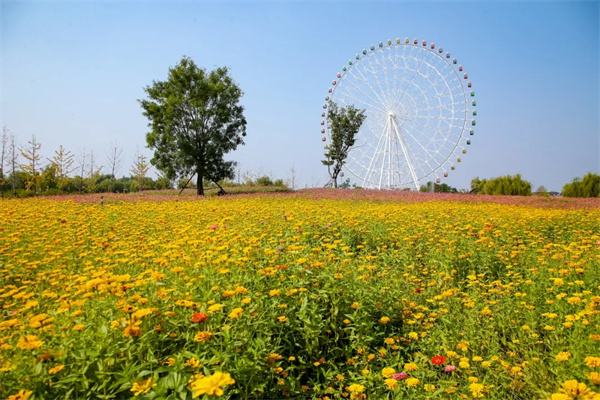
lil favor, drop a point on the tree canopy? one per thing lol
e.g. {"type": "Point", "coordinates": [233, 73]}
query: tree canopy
{"type": "Point", "coordinates": [589, 186]}
{"type": "Point", "coordinates": [196, 119]}
{"type": "Point", "coordinates": [503, 185]}
{"type": "Point", "coordinates": [344, 123]}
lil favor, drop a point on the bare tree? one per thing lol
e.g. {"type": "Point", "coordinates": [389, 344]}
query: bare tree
{"type": "Point", "coordinates": [4, 151]}
{"type": "Point", "coordinates": [14, 157]}
{"type": "Point", "coordinates": [114, 157]}
{"type": "Point", "coordinates": [81, 168]}
{"type": "Point", "coordinates": [32, 167]}
{"type": "Point", "coordinates": [93, 173]}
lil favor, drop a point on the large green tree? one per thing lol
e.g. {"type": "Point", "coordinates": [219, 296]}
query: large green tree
{"type": "Point", "coordinates": [344, 124]}
{"type": "Point", "coordinates": [196, 118]}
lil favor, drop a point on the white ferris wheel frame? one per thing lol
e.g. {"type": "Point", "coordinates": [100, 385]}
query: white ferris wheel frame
{"type": "Point", "coordinates": [394, 163]}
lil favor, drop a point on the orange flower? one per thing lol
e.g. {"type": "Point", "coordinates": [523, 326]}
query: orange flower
{"type": "Point", "coordinates": [199, 317]}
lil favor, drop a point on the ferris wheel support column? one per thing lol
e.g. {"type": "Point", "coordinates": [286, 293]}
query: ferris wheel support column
{"type": "Point", "coordinates": [404, 150]}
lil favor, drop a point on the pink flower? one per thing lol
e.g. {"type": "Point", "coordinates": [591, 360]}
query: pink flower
{"type": "Point", "coordinates": [450, 368]}
{"type": "Point", "coordinates": [214, 227]}
{"type": "Point", "coordinates": [400, 376]}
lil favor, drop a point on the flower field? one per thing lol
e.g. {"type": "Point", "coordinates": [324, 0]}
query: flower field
{"type": "Point", "coordinates": [299, 296]}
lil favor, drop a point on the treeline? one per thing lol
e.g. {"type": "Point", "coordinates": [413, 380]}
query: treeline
{"type": "Point", "coordinates": [24, 172]}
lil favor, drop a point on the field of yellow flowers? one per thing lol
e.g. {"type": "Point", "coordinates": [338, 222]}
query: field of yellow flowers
{"type": "Point", "coordinates": [299, 296]}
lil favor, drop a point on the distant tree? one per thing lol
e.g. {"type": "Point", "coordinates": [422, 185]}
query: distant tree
{"type": "Point", "coordinates": [196, 119]}
{"type": "Point", "coordinates": [81, 169]}
{"type": "Point", "coordinates": [114, 159]}
{"type": "Point", "coordinates": [477, 185]}
{"type": "Point", "coordinates": [507, 185]}
{"type": "Point", "coordinates": [32, 166]}
{"type": "Point", "coordinates": [438, 188]}
{"type": "Point", "coordinates": [139, 169]}
{"type": "Point", "coordinates": [63, 165]}
{"type": "Point", "coordinates": [93, 173]}
{"type": "Point", "coordinates": [589, 186]}
{"type": "Point", "coordinates": [5, 150]}
{"type": "Point", "coordinates": [13, 162]}
{"type": "Point", "coordinates": [49, 178]}
{"type": "Point", "coordinates": [541, 191]}
{"type": "Point", "coordinates": [344, 122]}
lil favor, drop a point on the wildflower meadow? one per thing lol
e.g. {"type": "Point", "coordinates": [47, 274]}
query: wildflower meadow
{"type": "Point", "coordinates": [307, 295]}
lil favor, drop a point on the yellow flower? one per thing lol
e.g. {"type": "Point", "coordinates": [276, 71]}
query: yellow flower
{"type": "Point", "coordinates": [429, 388]}
{"type": "Point", "coordinates": [412, 382]}
{"type": "Point", "coordinates": [592, 362]}
{"type": "Point", "coordinates": [22, 395]}
{"type": "Point", "coordinates": [29, 342]}
{"type": "Point", "coordinates": [192, 362]}
{"type": "Point", "coordinates": [142, 387]}
{"type": "Point", "coordinates": [411, 367]}
{"type": "Point", "coordinates": [389, 341]}
{"type": "Point", "coordinates": [78, 327]}
{"type": "Point", "coordinates": [355, 305]}
{"type": "Point", "coordinates": [477, 389]}
{"type": "Point", "coordinates": [595, 337]}
{"type": "Point", "coordinates": [388, 372]}
{"type": "Point", "coordinates": [391, 383]}
{"type": "Point", "coordinates": [594, 377]}
{"type": "Point", "coordinates": [282, 319]}
{"type": "Point", "coordinates": [215, 307]}
{"type": "Point", "coordinates": [463, 346]}
{"type": "Point", "coordinates": [563, 356]}
{"type": "Point", "coordinates": [55, 369]}
{"type": "Point", "coordinates": [202, 336]}
{"type": "Point", "coordinates": [576, 390]}
{"type": "Point", "coordinates": [560, 396]}
{"type": "Point", "coordinates": [247, 300]}
{"type": "Point", "coordinates": [384, 320]}
{"type": "Point", "coordinates": [274, 292]}
{"type": "Point", "coordinates": [464, 364]}
{"type": "Point", "coordinates": [355, 388]}
{"type": "Point", "coordinates": [413, 336]}
{"type": "Point", "coordinates": [236, 313]}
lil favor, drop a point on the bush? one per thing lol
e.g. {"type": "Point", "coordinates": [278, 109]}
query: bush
{"type": "Point", "coordinates": [264, 181]}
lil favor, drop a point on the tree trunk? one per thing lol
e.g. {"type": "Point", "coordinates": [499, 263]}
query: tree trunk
{"type": "Point", "coordinates": [335, 182]}
{"type": "Point", "coordinates": [200, 184]}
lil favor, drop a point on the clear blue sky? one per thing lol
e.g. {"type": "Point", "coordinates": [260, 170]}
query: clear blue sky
{"type": "Point", "coordinates": [72, 73]}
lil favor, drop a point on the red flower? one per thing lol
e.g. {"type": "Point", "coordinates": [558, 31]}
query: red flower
{"type": "Point", "coordinates": [438, 360]}
{"type": "Point", "coordinates": [199, 317]}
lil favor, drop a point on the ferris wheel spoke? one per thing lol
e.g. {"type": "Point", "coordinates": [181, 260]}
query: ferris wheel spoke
{"type": "Point", "coordinates": [373, 159]}
{"type": "Point", "coordinates": [364, 79]}
{"type": "Point", "coordinates": [405, 151]}
{"type": "Point", "coordinates": [376, 75]}
{"type": "Point", "coordinates": [373, 106]}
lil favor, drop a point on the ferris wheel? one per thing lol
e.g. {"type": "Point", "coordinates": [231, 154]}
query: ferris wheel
{"type": "Point", "coordinates": [420, 109]}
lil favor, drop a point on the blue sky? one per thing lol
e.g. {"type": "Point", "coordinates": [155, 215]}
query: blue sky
{"type": "Point", "coordinates": [72, 73]}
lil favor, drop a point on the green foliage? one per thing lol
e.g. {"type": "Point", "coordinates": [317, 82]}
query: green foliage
{"type": "Point", "coordinates": [195, 119]}
{"type": "Point", "coordinates": [344, 123]}
{"type": "Point", "coordinates": [438, 188]}
{"type": "Point", "coordinates": [506, 185]}
{"type": "Point", "coordinates": [589, 186]}
{"type": "Point", "coordinates": [477, 185]}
